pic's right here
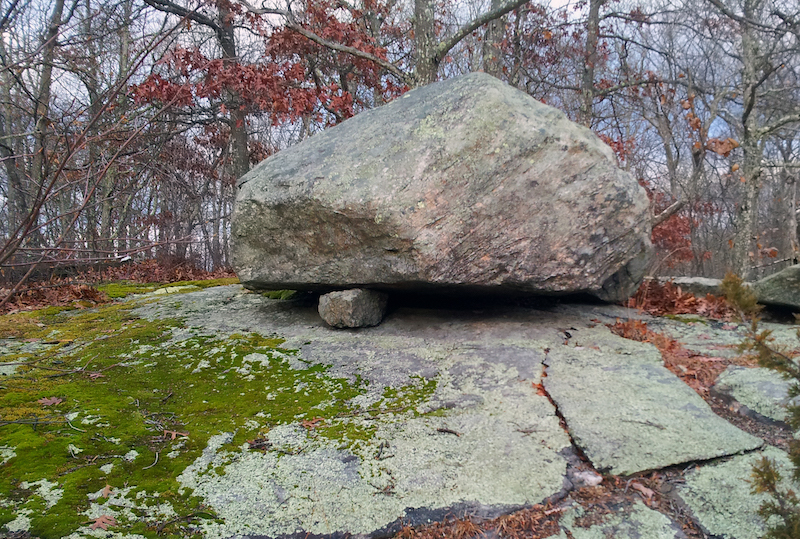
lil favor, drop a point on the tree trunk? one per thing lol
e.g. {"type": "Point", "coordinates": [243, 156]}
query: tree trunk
{"type": "Point", "coordinates": [747, 211]}
{"type": "Point", "coordinates": [791, 221]}
{"type": "Point", "coordinates": [42, 110]}
{"type": "Point", "coordinates": [427, 67]}
{"type": "Point", "coordinates": [492, 44]}
{"type": "Point", "coordinates": [10, 153]}
{"type": "Point", "coordinates": [587, 77]}
{"type": "Point", "coordinates": [238, 118]}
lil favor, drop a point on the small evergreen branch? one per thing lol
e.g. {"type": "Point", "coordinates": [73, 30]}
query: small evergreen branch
{"type": "Point", "coordinates": [781, 510]}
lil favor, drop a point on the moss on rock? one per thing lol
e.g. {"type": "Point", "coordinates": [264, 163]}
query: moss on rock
{"type": "Point", "coordinates": [107, 409]}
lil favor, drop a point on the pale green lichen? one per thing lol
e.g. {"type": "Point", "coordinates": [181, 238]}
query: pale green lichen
{"type": "Point", "coordinates": [46, 490]}
{"type": "Point", "coordinates": [638, 521]}
{"type": "Point", "coordinates": [6, 454]}
{"type": "Point", "coordinates": [720, 495]}
{"type": "Point", "coordinates": [21, 523]}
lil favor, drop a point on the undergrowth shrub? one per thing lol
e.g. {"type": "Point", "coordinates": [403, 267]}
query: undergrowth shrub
{"type": "Point", "coordinates": [781, 510]}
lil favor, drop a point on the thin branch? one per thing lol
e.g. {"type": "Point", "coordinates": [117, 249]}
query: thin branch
{"type": "Point", "coordinates": [674, 208]}
{"type": "Point", "coordinates": [193, 15]}
{"type": "Point", "coordinates": [778, 124]}
{"type": "Point", "coordinates": [444, 47]}
{"type": "Point", "coordinates": [292, 24]}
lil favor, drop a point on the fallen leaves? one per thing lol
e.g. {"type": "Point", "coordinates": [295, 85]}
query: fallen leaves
{"type": "Point", "coordinates": [174, 434]}
{"type": "Point", "coordinates": [50, 401]}
{"type": "Point", "coordinates": [103, 522]}
{"type": "Point", "coordinates": [80, 295]}
{"type": "Point", "coordinates": [311, 424]}
{"type": "Point", "coordinates": [106, 492]}
{"type": "Point", "coordinates": [157, 271]}
{"type": "Point", "coordinates": [55, 292]}
{"type": "Point", "coordinates": [539, 389]}
{"type": "Point", "coordinates": [646, 492]}
{"type": "Point", "coordinates": [667, 298]}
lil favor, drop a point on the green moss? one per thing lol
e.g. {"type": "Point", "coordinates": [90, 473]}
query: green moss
{"type": "Point", "coordinates": [687, 318]}
{"type": "Point", "coordinates": [126, 385]}
{"type": "Point", "coordinates": [121, 289]}
{"type": "Point", "coordinates": [279, 294]}
{"type": "Point", "coordinates": [119, 385]}
{"type": "Point", "coordinates": [408, 397]}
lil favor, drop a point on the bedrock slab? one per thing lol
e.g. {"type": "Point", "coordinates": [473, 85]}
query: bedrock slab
{"type": "Point", "coordinates": [471, 433]}
{"type": "Point", "coordinates": [465, 431]}
{"type": "Point", "coordinates": [623, 522]}
{"type": "Point", "coordinates": [720, 498]}
{"type": "Point", "coordinates": [759, 390]}
{"type": "Point", "coordinates": [628, 412]}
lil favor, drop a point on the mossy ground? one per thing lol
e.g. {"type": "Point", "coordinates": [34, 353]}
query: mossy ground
{"type": "Point", "coordinates": [134, 402]}
{"type": "Point", "coordinates": [121, 289]}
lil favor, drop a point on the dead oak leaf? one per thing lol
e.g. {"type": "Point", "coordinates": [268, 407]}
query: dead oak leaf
{"type": "Point", "coordinates": [174, 434]}
{"type": "Point", "coordinates": [311, 423]}
{"type": "Point", "coordinates": [96, 375]}
{"type": "Point", "coordinates": [646, 492]}
{"type": "Point", "coordinates": [259, 443]}
{"type": "Point", "coordinates": [106, 492]}
{"type": "Point", "coordinates": [103, 522]}
{"type": "Point", "coordinates": [50, 401]}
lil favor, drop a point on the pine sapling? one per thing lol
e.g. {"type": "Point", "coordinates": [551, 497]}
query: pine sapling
{"type": "Point", "coordinates": [781, 510]}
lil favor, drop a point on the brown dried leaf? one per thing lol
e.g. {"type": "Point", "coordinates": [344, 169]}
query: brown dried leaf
{"type": "Point", "coordinates": [174, 434]}
{"type": "Point", "coordinates": [648, 493]}
{"type": "Point", "coordinates": [103, 522]}
{"type": "Point", "coordinates": [311, 423]}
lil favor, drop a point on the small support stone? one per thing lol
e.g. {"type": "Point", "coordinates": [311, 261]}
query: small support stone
{"type": "Point", "coordinates": [355, 308]}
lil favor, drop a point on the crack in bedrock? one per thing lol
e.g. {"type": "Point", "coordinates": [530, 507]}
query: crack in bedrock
{"type": "Point", "coordinates": [577, 461]}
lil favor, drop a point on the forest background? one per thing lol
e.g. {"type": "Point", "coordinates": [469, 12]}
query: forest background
{"type": "Point", "coordinates": [124, 124]}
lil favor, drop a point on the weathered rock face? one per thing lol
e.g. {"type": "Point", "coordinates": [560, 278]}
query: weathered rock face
{"type": "Point", "coordinates": [465, 184]}
{"type": "Point", "coordinates": [355, 308]}
{"type": "Point", "coordinates": [782, 288]}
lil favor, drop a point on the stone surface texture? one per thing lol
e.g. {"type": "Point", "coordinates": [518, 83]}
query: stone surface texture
{"type": "Point", "coordinates": [483, 441]}
{"type": "Point", "coordinates": [636, 522]}
{"type": "Point", "coordinates": [719, 495]}
{"type": "Point", "coordinates": [699, 286]}
{"type": "Point", "coordinates": [620, 405]}
{"type": "Point", "coordinates": [479, 411]}
{"type": "Point", "coordinates": [354, 308]}
{"type": "Point", "coordinates": [782, 288]}
{"type": "Point", "coordinates": [465, 184]}
{"type": "Point", "coordinates": [759, 390]}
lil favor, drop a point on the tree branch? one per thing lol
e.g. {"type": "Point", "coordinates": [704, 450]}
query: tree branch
{"type": "Point", "coordinates": [445, 46]}
{"type": "Point", "coordinates": [293, 25]}
{"type": "Point", "coordinates": [169, 7]}
{"type": "Point", "coordinates": [674, 208]}
{"type": "Point", "coordinates": [781, 122]}
{"type": "Point", "coordinates": [743, 20]}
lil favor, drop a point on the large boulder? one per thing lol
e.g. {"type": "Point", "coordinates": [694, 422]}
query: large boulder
{"type": "Point", "coordinates": [782, 288]}
{"type": "Point", "coordinates": [462, 185]}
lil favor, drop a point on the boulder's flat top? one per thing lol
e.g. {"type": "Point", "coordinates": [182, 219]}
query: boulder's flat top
{"type": "Point", "coordinates": [254, 412]}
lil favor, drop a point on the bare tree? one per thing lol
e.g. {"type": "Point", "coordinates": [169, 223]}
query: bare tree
{"type": "Point", "coordinates": [429, 50]}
